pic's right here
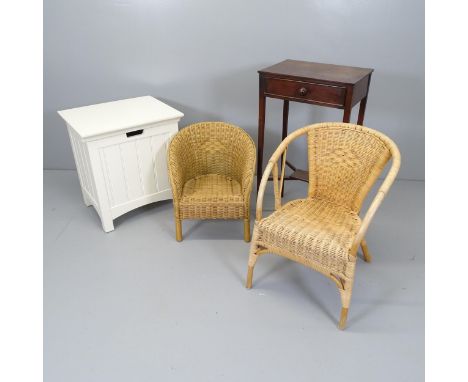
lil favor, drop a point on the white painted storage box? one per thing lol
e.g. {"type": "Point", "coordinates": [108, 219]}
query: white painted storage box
{"type": "Point", "coordinates": [120, 153]}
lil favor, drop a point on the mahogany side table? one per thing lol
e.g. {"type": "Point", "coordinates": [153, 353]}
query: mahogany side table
{"type": "Point", "coordinates": [339, 87]}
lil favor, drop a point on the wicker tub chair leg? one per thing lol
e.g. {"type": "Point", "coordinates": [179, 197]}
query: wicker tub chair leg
{"type": "Point", "coordinates": [247, 230]}
{"type": "Point", "coordinates": [365, 251]}
{"type": "Point", "coordinates": [178, 225]}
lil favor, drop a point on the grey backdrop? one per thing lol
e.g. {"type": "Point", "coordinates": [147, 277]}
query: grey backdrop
{"type": "Point", "coordinates": [202, 58]}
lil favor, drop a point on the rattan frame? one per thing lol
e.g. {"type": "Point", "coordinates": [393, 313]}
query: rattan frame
{"type": "Point", "coordinates": [359, 137]}
{"type": "Point", "coordinates": [219, 157]}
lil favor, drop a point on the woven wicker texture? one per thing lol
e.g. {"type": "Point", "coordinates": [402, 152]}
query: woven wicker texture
{"type": "Point", "coordinates": [344, 163]}
{"type": "Point", "coordinates": [211, 167]}
{"type": "Point", "coordinates": [213, 195]}
{"type": "Point", "coordinates": [324, 230]}
{"type": "Point", "coordinates": [319, 232]}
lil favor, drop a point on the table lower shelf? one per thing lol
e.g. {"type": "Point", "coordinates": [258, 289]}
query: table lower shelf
{"type": "Point", "coordinates": [297, 174]}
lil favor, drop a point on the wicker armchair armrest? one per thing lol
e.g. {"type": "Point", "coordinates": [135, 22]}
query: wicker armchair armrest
{"type": "Point", "coordinates": [273, 166]}
{"type": "Point", "coordinates": [261, 191]}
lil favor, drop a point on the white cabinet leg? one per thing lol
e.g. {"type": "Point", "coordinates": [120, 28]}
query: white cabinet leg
{"type": "Point", "coordinates": [106, 220]}
{"type": "Point", "coordinates": [107, 224]}
{"type": "Point", "coordinates": [86, 199]}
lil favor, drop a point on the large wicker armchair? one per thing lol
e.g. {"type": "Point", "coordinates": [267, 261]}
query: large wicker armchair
{"type": "Point", "coordinates": [211, 168]}
{"type": "Point", "coordinates": [324, 230]}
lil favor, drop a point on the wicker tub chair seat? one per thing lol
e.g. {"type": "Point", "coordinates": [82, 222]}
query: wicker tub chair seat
{"type": "Point", "coordinates": [316, 231]}
{"type": "Point", "coordinates": [214, 196]}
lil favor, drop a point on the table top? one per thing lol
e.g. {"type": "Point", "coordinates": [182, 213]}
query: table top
{"type": "Point", "coordinates": [317, 71]}
{"type": "Point", "coordinates": [108, 117]}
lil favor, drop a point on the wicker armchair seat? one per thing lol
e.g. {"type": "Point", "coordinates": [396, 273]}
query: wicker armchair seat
{"type": "Point", "coordinates": [316, 231]}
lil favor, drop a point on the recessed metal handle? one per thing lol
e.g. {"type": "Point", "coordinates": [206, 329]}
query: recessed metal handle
{"type": "Point", "coordinates": [132, 133]}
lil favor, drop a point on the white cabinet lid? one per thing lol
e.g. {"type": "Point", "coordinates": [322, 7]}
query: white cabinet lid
{"type": "Point", "coordinates": [105, 118]}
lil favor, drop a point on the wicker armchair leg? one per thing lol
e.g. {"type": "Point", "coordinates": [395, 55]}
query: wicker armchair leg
{"type": "Point", "coordinates": [247, 230]}
{"type": "Point", "coordinates": [343, 318]}
{"type": "Point", "coordinates": [252, 260]}
{"type": "Point", "coordinates": [248, 283]}
{"type": "Point", "coordinates": [345, 295]}
{"type": "Point", "coordinates": [365, 251]}
{"type": "Point", "coordinates": [178, 224]}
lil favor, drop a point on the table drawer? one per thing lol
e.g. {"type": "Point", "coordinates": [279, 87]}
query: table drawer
{"type": "Point", "coordinates": [309, 92]}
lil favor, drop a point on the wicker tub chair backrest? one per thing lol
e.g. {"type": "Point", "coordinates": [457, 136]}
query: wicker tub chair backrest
{"type": "Point", "coordinates": [344, 162]}
{"type": "Point", "coordinates": [214, 148]}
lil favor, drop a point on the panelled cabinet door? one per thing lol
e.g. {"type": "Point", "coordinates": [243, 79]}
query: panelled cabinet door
{"type": "Point", "coordinates": [135, 170]}
{"type": "Point", "coordinates": [125, 168]}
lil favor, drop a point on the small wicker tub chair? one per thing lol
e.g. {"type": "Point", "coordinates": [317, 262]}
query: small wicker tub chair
{"type": "Point", "coordinates": [211, 168]}
{"type": "Point", "coordinates": [324, 230]}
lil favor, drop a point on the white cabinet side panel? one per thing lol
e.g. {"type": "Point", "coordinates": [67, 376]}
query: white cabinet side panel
{"type": "Point", "coordinates": [89, 172]}
{"type": "Point", "coordinates": [79, 161]}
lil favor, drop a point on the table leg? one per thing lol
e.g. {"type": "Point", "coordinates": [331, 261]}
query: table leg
{"type": "Point", "coordinates": [261, 134]}
{"type": "Point", "coordinates": [363, 104]}
{"type": "Point", "coordinates": [362, 111]}
{"type": "Point", "coordinates": [346, 115]}
{"type": "Point", "coordinates": [348, 106]}
{"type": "Point", "coordinates": [285, 131]}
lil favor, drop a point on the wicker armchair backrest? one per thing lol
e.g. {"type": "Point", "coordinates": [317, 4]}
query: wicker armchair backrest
{"type": "Point", "coordinates": [344, 162]}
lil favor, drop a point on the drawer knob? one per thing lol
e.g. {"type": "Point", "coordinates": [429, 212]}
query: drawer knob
{"type": "Point", "coordinates": [303, 91]}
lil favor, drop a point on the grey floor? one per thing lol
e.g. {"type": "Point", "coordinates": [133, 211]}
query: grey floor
{"type": "Point", "coordinates": [135, 305]}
